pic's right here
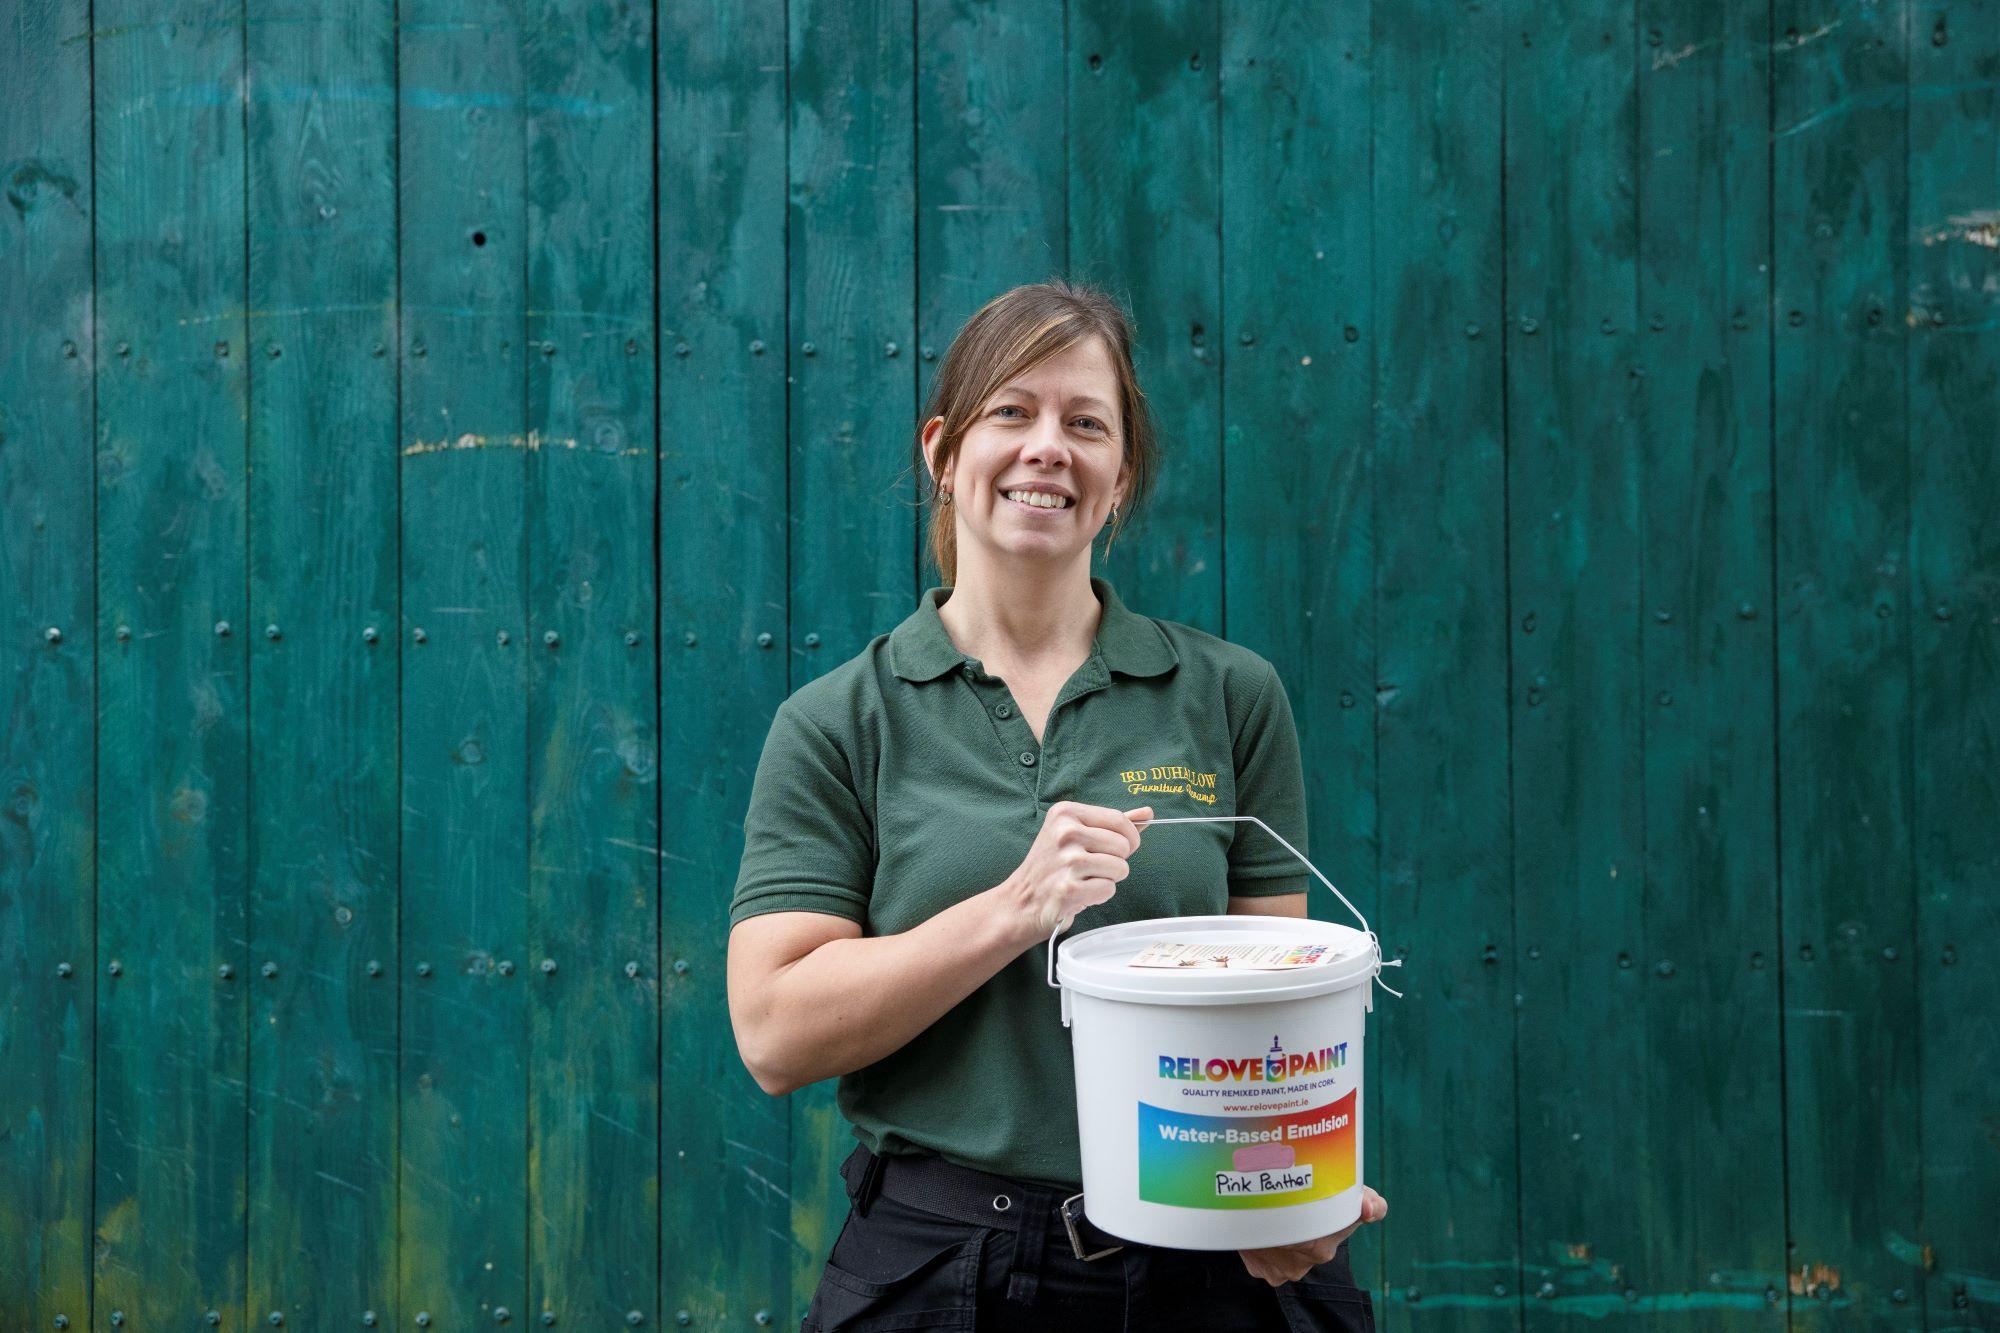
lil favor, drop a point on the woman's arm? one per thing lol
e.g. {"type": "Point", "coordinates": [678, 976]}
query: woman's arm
{"type": "Point", "coordinates": [1275, 904]}
{"type": "Point", "coordinates": [811, 998]}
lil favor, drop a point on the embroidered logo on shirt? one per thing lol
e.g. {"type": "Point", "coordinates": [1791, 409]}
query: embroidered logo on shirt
{"type": "Point", "coordinates": [1172, 779]}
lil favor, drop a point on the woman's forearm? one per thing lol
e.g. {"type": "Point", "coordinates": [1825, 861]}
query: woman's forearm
{"type": "Point", "coordinates": [852, 1001]}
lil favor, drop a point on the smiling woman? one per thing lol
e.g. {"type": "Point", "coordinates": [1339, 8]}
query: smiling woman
{"type": "Point", "coordinates": [923, 816]}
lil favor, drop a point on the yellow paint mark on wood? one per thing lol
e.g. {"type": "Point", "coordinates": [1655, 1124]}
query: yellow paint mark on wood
{"type": "Point", "coordinates": [1812, 1277]}
{"type": "Point", "coordinates": [533, 442]}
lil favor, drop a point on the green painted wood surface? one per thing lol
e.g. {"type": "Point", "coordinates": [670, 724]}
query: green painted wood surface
{"type": "Point", "coordinates": [593, 734]}
{"type": "Point", "coordinates": [1842, 498]}
{"type": "Point", "coordinates": [1578, 715]}
{"type": "Point", "coordinates": [1444, 1054]}
{"type": "Point", "coordinates": [47, 744]}
{"type": "Point", "coordinates": [726, 1208]}
{"type": "Point", "coordinates": [466, 955]}
{"type": "Point", "coordinates": [1953, 361]}
{"type": "Point", "coordinates": [173, 717]}
{"type": "Point", "coordinates": [1580, 552]}
{"type": "Point", "coordinates": [1707, 946]}
{"type": "Point", "coordinates": [322, 698]}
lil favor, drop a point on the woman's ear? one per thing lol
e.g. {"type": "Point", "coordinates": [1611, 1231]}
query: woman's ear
{"type": "Point", "coordinates": [933, 432]}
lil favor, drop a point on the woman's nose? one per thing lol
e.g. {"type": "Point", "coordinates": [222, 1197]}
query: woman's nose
{"type": "Point", "coordinates": [1048, 447]}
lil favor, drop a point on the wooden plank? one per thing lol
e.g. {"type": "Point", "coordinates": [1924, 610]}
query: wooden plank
{"type": "Point", "coordinates": [853, 405]}
{"type": "Point", "coordinates": [1574, 589]}
{"type": "Point", "coordinates": [323, 693]}
{"type": "Point", "coordinates": [726, 1244]}
{"type": "Point", "coordinates": [992, 201]}
{"type": "Point", "coordinates": [1145, 199]}
{"type": "Point", "coordinates": [1709, 949]}
{"type": "Point", "coordinates": [1297, 340]}
{"type": "Point", "coordinates": [172, 789]}
{"type": "Point", "coordinates": [1445, 1067]}
{"type": "Point", "coordinates": [464, 449]}
{"type": "Point", "coordinates": [1844, 746]}
{"type": "Point", "coordinates": [47, 750]}
{"type": "Point", "coordinates": [593, 733]}
{"type": "Point", "coordinates": [1954, 387]}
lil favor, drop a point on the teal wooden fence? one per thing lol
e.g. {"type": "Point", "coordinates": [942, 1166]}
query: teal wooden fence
{"type": "Point", "coordinates": [434, 436]}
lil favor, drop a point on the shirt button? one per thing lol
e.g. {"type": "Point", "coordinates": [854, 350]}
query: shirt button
{"type": "Point", "coordinates": [1003, 711]}
{"type": "Point", "coordinates": [1027, 758]}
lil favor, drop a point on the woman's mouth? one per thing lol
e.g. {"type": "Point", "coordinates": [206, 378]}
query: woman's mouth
{"type": "Point", "coordinates": [1039, 499]}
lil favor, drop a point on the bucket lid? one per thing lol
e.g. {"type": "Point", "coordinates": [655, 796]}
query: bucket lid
{"type": "Point", "coordinates": [1100, 962]}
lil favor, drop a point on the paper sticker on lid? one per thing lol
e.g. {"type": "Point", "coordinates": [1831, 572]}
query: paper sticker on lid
{"type": "Point", "coordinates": [1243, 956]}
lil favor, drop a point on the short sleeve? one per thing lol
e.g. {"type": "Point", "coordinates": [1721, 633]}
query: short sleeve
{"type": "Point", "coordinates": [808, 842]}
{"type": "Point", "coordinates": [1270, 784]}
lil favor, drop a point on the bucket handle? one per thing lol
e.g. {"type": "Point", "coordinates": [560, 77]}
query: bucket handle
{"type": "Point", "coordinates": [1252, 819]}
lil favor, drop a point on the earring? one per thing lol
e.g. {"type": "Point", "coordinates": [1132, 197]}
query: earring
{"type": "Point", "coordinates": [945, 497]}
{"type": "Point", "coordinates": [1114, 513]}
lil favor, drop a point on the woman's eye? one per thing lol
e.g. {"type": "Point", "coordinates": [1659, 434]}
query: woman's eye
{"type": "Point", "coordinates": [1006, 407]}
{"type": "Point", "coordinates": [1092, 422]}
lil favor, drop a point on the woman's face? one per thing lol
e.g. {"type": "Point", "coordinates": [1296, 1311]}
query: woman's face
{"type": "Point", "coordinates": [1041, 465]}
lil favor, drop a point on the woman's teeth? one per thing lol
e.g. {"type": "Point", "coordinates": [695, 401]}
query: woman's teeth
{"type": "Point", "coordinates": [1038, 499]}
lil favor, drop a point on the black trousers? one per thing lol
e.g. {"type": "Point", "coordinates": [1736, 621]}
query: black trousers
{"type": "Point", "coordinates": [898, 1267]}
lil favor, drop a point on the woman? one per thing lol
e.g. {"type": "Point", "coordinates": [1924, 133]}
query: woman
{"type": "Point", "coordinates": [923, 817]}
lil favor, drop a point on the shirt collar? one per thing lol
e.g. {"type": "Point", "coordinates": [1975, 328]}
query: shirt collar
{"type": "Point", "coordinates": [920, 649]}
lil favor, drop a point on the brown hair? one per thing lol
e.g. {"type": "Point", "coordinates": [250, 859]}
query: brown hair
{"type": "Point", "coordinates": [1009, 336]}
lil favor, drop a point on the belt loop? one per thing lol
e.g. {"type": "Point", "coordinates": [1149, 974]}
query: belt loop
{"type": "Point", "coordinates": [1024, 1277]}
{"type": "Point", "coordinates": [862, 1175]}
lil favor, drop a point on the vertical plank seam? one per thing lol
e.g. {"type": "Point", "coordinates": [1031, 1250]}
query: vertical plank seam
{"type": "Point", "coordinates": [1381, 1285]}
{"type": "Point", "coordinates": [96, 706]}
{"type": "Point", "coordinates": [248, 808]}
{"type": "Point", "coordinates": [659, 720]}
{"type": "Point", "coordinates": [524, 75]}
{"type": "Point", "coordinates": [1639, 403]}
{"type": "Point", "coordinates": [1777, 624]}
{"type": "Point", "coordinates": [395, 1285]}
{"type": "Point", "coordinates": [1911, 832]}
{"type": "Point", "coordinates": [395, 1292]}
{"type": "Point", "coordinates": [1507, 601]}
{"type": "Point", "coordinates": [1068, 175]}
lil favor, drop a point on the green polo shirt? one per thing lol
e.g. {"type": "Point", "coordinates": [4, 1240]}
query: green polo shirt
{"type": "Point", "coordinates": [906, 780]}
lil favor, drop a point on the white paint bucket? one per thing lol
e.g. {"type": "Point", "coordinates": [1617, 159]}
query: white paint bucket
{"type": "Point", "coordinates": [1219, 1105]}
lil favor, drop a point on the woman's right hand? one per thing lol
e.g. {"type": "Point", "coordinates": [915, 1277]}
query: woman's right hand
{"type": "Point", "coordinates": [1076, 861]}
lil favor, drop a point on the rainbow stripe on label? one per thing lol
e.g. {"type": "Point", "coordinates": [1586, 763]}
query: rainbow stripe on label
{"type": "Point", "coordinates": [1243, 1161]}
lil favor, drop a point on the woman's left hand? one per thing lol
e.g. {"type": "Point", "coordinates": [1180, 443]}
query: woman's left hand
{"type": "Point", "coordinates": [1279, 1264]}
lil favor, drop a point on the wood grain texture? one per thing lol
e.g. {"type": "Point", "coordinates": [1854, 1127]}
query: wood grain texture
{"type": "Point", "coordinates": [1709, 950]}
{"type": "Point", "coordinates": [1573, 520]}
{"type": "Point", "coordinates": [593, 733]}
{"type": "Point", "coordinates": [1444, 1054]}
{"type": "Point", "coordinates": [322, 697]}
{"type": "Point", "coordinates": [47, 748]}
{"type": "Point", "coordinates": [726, 1208]}
{"type": "Point", "coordinates": [463, 104]}
{"type": "Point", "coordinates": [173, 721]}
{"type": "Point", "coordinates": [1953, 363]}
{"type": "Point", "coordinates": [1851, 1035]}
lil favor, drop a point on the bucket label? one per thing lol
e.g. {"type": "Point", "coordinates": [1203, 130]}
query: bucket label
{"type": "Point", "coordinates": [1255, 957]}
{"type": "Point", "coordinates": [1240, 1161]}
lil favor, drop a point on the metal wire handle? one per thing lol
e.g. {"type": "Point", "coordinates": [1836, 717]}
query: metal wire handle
{"type": "Point", "coordinates": [1374, 939]}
